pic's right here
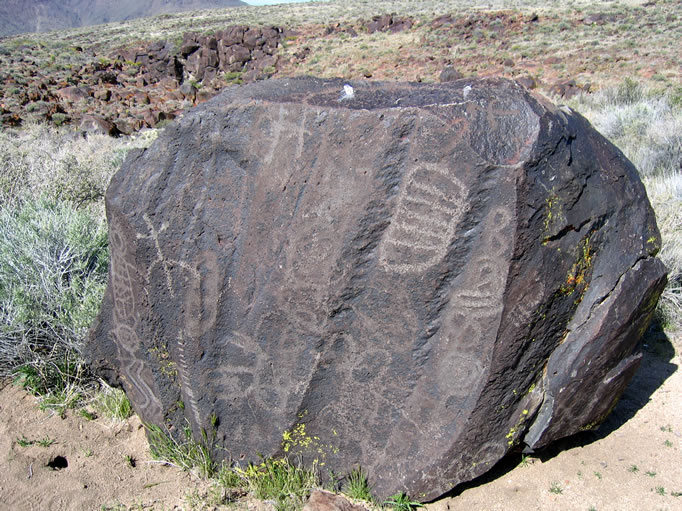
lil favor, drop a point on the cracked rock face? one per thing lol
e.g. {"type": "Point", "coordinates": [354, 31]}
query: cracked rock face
{"type": "Point", "coordinates": [411, 278]}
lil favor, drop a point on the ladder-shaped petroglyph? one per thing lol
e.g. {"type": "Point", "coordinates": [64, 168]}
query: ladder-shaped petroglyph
{"type": "Point", "coordinates": [126, 338]}
{"type": "Point", "coordinates": [430, 205]}
{"type": "Point", "coordinates": [186, 382]}
{"type": "Point", "coordinates": [480, 295]}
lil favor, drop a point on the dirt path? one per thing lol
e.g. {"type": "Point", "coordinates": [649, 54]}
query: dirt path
{"type": "Point", "coordinates": [633, 462]}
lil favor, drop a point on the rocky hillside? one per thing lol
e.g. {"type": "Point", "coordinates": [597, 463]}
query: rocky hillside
{"type": "Point", "coordinates": [119, 78]}
{"type": "Point", "coordinates": [19, 16]}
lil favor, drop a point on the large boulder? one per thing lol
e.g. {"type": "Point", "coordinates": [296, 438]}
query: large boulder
{"type": "Point", "coordinates": [411, 278]}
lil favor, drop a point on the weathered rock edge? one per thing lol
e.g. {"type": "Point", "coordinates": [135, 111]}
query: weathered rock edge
{"type": "Point", "coordinates": [267, 284]}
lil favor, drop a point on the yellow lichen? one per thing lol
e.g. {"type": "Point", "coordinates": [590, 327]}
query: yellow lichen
{"type": "Point", "coordinates": [578, 274]}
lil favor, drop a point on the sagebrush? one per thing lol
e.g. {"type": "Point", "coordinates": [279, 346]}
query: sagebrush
{"type": "Point", "coordinates": [53, 255]}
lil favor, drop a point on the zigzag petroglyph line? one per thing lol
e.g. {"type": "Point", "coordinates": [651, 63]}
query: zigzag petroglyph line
{"type": "Point", "coordinates": [187, 385]}
{"type": "Point", "coordinates": [125, 334]}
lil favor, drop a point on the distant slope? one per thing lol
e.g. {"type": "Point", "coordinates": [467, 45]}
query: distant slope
{"type": "Point", "coordinates": [18, 16]}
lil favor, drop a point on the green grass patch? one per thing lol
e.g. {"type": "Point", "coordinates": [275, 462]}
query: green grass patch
{"type": "Point", "coordinates": [187, 454]}
{"type": "Point", "coordinates": [357, 485]}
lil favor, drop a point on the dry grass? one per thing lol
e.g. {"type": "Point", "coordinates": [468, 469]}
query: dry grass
{"type": "Point", "coordinates": [43, 161]}
{"type": "Point", "coordinates": [646, 125]}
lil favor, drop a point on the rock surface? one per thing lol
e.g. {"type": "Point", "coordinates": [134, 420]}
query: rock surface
{"type": "Point", "coordinates": [410, 278]}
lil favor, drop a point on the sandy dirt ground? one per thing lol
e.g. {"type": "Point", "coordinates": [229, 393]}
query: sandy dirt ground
{"type": "Point", "coordinates": [633, 462]}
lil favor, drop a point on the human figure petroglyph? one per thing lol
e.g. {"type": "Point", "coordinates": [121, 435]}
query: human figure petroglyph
{"type": "Point", "coordinates": [165, 263]}
{"type": "Point", "coordinates": [286, 129]}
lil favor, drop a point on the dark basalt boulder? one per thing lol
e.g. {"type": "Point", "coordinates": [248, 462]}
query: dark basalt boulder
{"type": "Point", "coordinates": [413, 278]}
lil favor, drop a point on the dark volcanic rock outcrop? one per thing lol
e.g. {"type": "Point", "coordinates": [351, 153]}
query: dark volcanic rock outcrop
{"type": "Point", "coordinates": [137, 85]}
{"type": "Point", "coordinates": [411, 278]}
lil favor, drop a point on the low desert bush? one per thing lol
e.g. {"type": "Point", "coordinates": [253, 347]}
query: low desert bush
{"type": "Point", "coordinates": [53, 255]}
{"type": "Point", "coordinates": [53, 270]}
{"type": "Point", "coordinates": [665, 193]}
{"type": "Point", "coordinates": [646, 125]}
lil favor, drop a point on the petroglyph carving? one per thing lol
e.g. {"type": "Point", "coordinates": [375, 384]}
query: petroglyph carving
{"type": "Point", "coordinates": [186, 382]}
{"type": "Point", "coordinates": [430, 205]}
{"type": "Point", "coordinates": [289, 130]}
{"type": "Point", "coordinates": [128, 344]}
{"type": "Point", "coordinates": [365, 270]}
{"type": "Point", "coordinates": [166, 264]}
{"type": "Point", "coordinates": [248, 371]}
{"type": "Point", "coordinates": [200, 304]}
{"type": "Point", "coordinates": [478, 301]}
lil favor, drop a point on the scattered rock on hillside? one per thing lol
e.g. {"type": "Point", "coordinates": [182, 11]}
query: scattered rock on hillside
{"type": "Point", "coordinates": [74, 94]}
{"type": "Point", "coordinates": [450, 74]}
{"type": "Point", "coordinates": [98, 125]}
{"type": "Point", "coordinates": [411, 278]}
{"type": "Point", "coordinates": [388, 22]}
{"type": "Point", "coordinates": [527, 81]}
{"type": "Point", "coordinates": [567, 89]}
{"type": "Point", "coordinates": [149, 79]}
{"type": "Point", "coordinates": [599, 19]}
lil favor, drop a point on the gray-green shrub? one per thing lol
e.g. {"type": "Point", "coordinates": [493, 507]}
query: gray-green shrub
{"type": "Point", "coordinates": [53, 270]}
